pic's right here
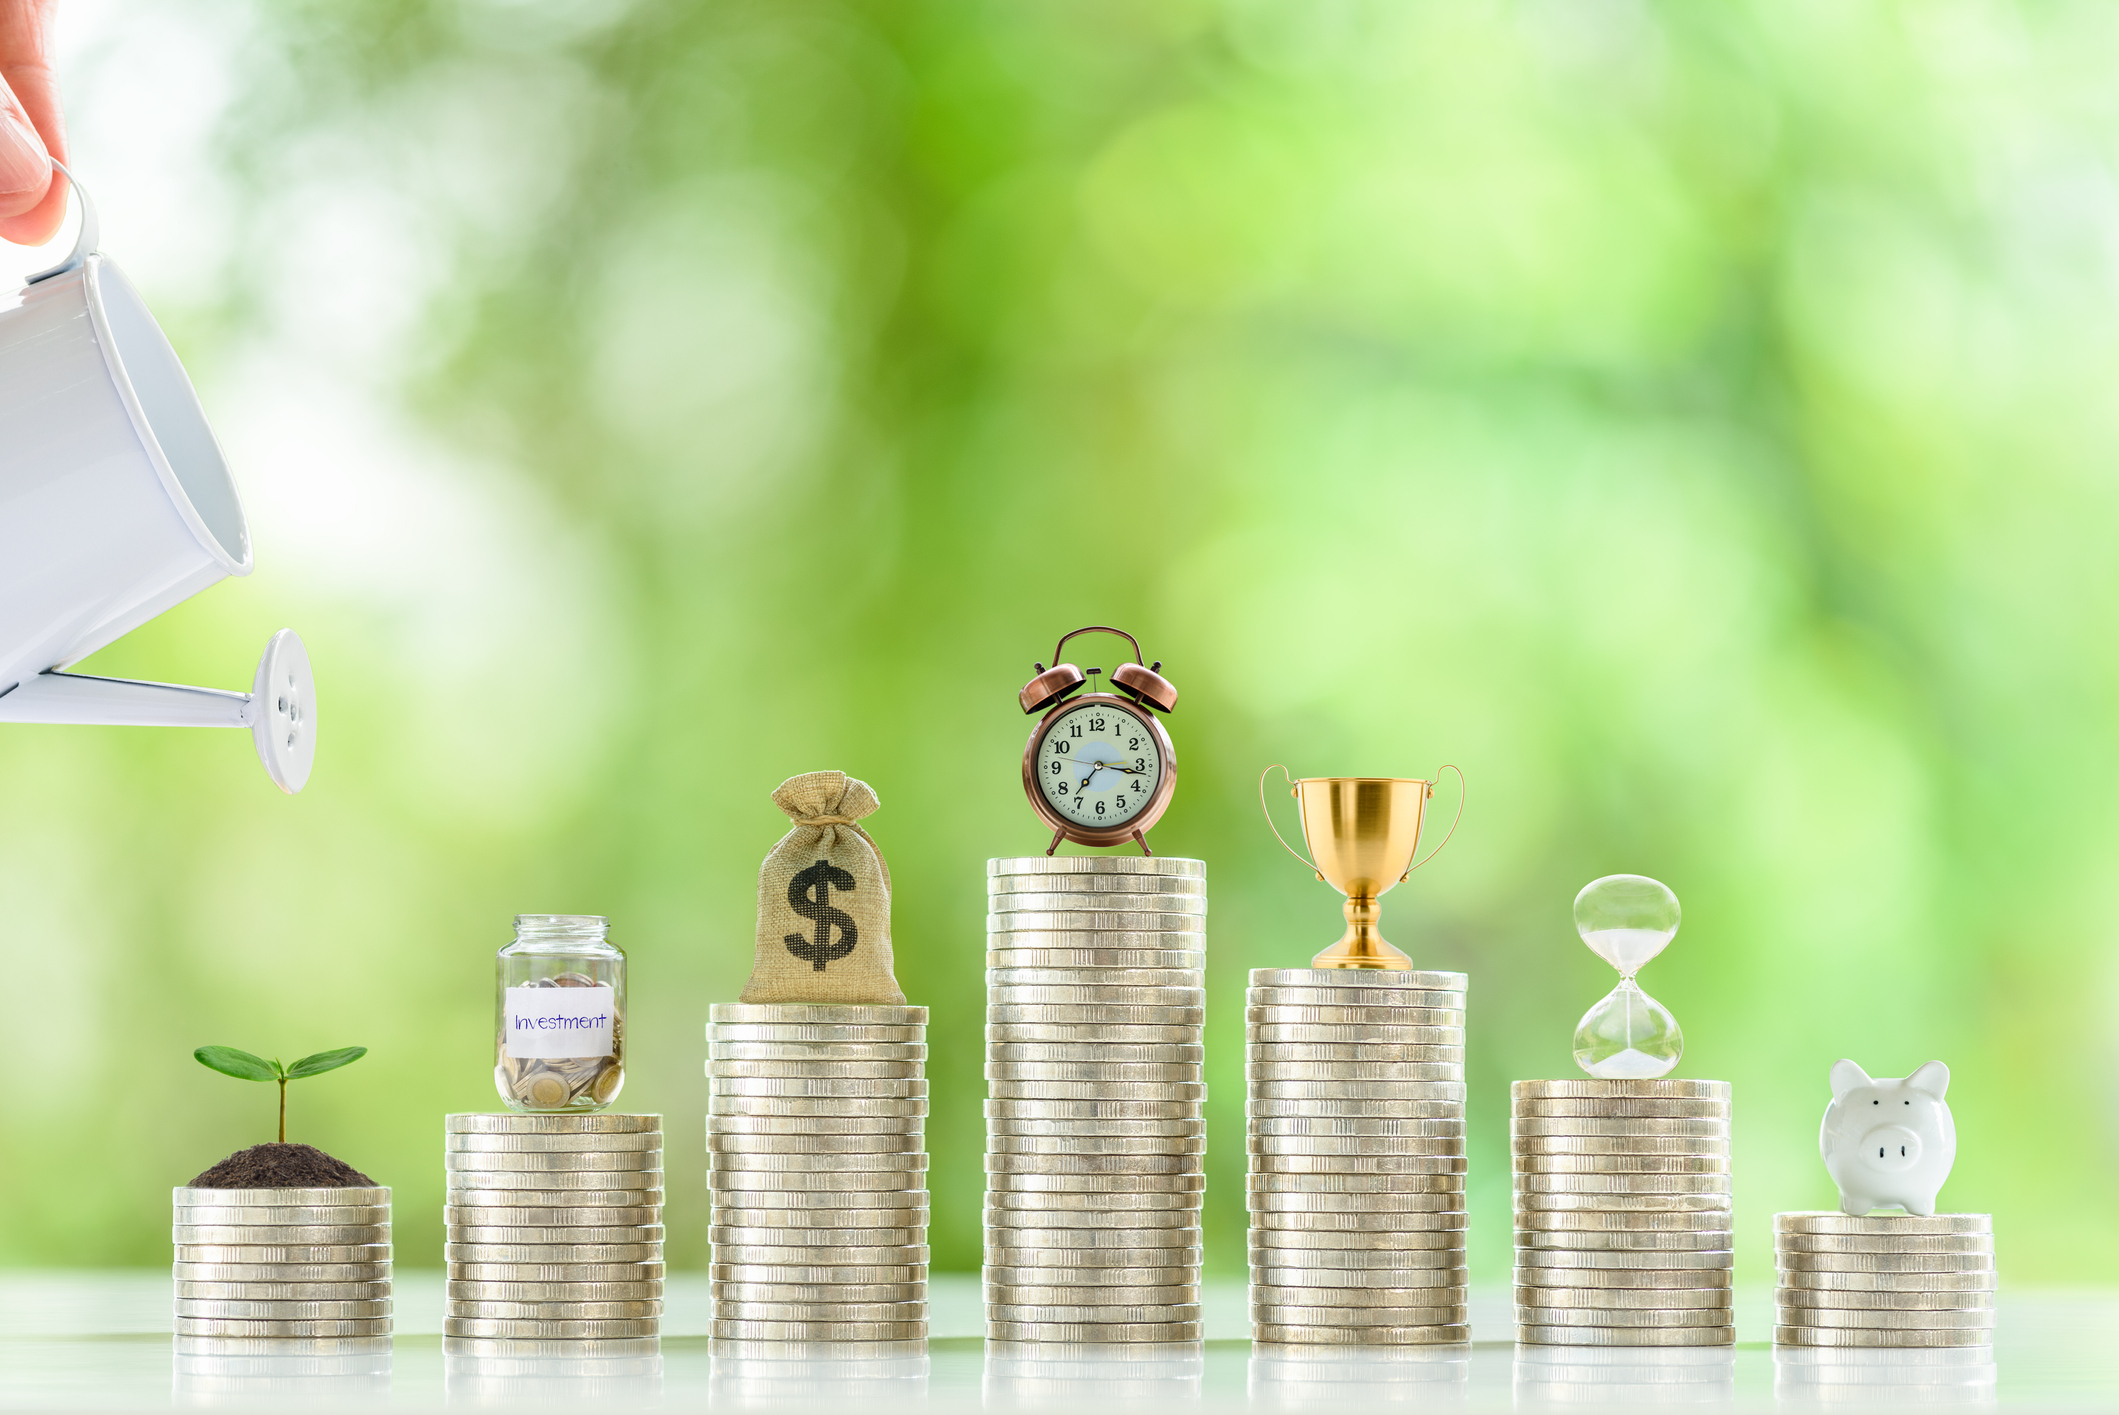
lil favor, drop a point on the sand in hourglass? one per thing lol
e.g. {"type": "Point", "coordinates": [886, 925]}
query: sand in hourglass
{"type": "Point", "coordinates": [1627, 920]}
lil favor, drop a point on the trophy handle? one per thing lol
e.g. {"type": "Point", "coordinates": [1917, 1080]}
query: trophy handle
{"type": "Point", "coordinates": [1276, 829]}
{"type": "Point", "coordinates": [1452, 825]}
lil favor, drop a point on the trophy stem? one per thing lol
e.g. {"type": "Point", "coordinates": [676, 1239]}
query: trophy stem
{"type": "Point", "coordinates": [1362, 945]}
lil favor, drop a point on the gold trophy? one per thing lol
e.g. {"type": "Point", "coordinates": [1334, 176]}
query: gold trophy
{"type": "Point", "coordinates": [1363, 832]}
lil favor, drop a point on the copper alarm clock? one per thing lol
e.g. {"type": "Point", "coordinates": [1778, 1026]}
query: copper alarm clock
{"type": "Point", "coordinates": [1099, 769]}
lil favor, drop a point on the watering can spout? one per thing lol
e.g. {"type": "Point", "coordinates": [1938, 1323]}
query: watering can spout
{"type": "Point", "coordinates": [279, 709]}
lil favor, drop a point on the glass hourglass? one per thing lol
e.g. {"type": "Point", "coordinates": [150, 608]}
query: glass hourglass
{"type": "Point", "coordinates": [1627, 920]}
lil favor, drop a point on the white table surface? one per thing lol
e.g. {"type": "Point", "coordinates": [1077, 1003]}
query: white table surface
{"type": "Point", "coordinates": [100, 1341]}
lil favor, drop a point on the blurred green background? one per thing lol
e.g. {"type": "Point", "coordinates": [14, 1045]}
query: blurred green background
{"type": "Point", "coordinates": [1694, 421]}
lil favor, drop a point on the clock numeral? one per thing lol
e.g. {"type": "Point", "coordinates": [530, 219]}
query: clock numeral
{"type": "Point", "coordinates": [1140, 763]}
{"type": "Point", "coordinates": [1063, 788]}
{"type": "Point", "coordinates": [1096, 724]}
{"type": "Point", "coordinates": [1056, 768]}
{"type": "Point", "coordinates": [1133, 744]}
{"type": "Point", "coordinates": [1099, 807]}
{"type": "Point", "coordinates": [1074, 729]}
{"type": "Point", "coordinates": [1062, 748]}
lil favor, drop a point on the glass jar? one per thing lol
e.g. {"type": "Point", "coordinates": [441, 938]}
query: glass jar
{"type": "Point", "coordinates": [559, 1010]}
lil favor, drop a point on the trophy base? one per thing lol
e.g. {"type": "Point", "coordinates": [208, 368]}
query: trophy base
{"type": "Point", "coordinates": [1371, 952]}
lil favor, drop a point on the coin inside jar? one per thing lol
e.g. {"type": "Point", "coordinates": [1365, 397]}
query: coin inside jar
{"type": "Point", "coordinates": [560, 1043]}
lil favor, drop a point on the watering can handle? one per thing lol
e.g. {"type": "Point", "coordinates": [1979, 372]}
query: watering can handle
{"type": "Point", "coordinates": [1452, 825]}
{"type": "Point", "coordinates": [1269, 816]}
{"type": "Point", "coordinates": [85, 240]}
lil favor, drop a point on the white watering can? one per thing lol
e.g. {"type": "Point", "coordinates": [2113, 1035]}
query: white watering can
{"type": "Point", "coordinates": [116, 504]}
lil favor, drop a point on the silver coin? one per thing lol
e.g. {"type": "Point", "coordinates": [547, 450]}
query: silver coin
{"type": "Point", "coordinates": [1884, 1225]}
{"type": "Point", "coordinates": [607, 1122]}
{"type": "Point", "coordinates": [865, 1183]}
{"type": "Point", "coordinates": [1104, 1203]}
{"type": "Point", "coordinates": [546, 1161]}
{"type": "Point", "coordinates": [1354, 1183]}
{"type": "Point", "coordinates": [1096, 865]}
{"type": "Point", "coordinates": [1579, 1129]}
{"type": "Point", "coordinates": [512, 1234]}
{"type": "Point", "coordinates": [1637, 1299]}
{"type": "Point", "coordinates": [1339, 1073]}
{"type": "Point", "coordinates": [556, 1144]}
{"type": "Point", "coordinates": [556, 1272]}
{"type": "Point", "coordinates": [1092, 1164]}
{"type": "Point", "coordinates": [1012, 980]}
{"type": "Point", "coordinates": [819, 1293]}
{"type": "Point", "coordinates": [1291, 1164]}
{"type": "Point", "coordinates": [1153, 960]}
{"type": "Point", "coordinates": [1543, 1258]}
{"type": "Point", "coordinates": [1267, 1149]}
{"type": "Point", "coordinates": [810, 1032]}
{"type": "Point", "coordinates": [1797, 1300]}
{"type": "Point", "coordinates": [633, 1309]}
{"type": "Point", "coordinates": [830, 1053]}
{"type": "Point", "coordinates": [1183, 1129]}
{"type": "Point", "coordinates": [836, 1275]}
{"type": "Point", "coordinates": [1148, 880]}
{"type": "Point", "coordinates": [1099, 1315]}
{"type": "Point", "coordinates": [817, 1087]}
{"type": "Point", "coordinates": [1318, 1111]}
{"type": "Point", "coordinates": [1270, 1334]}
{"type": "Point", "coordinates": [723, 1107]}
{"type": "Point", "coordinates": [1624, 1203]}
{"type": "Point", "coordinates": [1337, 1022]}
{"type": "Point", "coordinates": [1294, 1271]}
{"type": "Point", "coordinates": [1095, 1145]}
{"type": "Point", "coordinates": [1103, 921]}
{"type": "Point", "coordinates": [1058, 1110]}
{"type": "Point", "coordinates": [1622, 1183]}
{"type": "Point", "coordinates": [1877, 1283]}
{"type": "Point", "coordinates": [1274, 1058]}
{"type": "Point", "coordinates": [553, 1291]}
{"type": "Point", "coordinates": [366, 1195]}
{"type": "Point", "coordinates": [282, 1310]}
{"type": "Point", "coordinates": [734, 1236]}
{"type": "Point", "coordinates": [1033, 1296]}
{"type": "Point", "coordinates": [1362, 978]}
{"type": "Point", "coordinates": [1447, 1222]}
{"type": "Point", "coordinates": [804, 1162]}
{"type": "Point", "coordinates": [1661, 1088]}
{"type": "Point", "coordinates": [371, 1216]}
{"type": "Point", "coordinates": [816, 1331]}
{"type": "Point", "coordinates": [1001, 996]}
{"type": "Point", "coordinates": [1398, 1093]}
{"type": "Point", "coordinates": [899, 1143]}
{"type": "Point", "coordinates": [871, 1014]}
{"type": "Point", "coordinates": [1065, 1277]}
{"type": "Point", "coordinates": [280, 1233]}
{"type": "Point", "coordinates": [1094, 1015]}
{"type": "Point", "coordinates": [1591, 1221]}
{"type": "Point", "coordinates": [546, 1330]}
{"type": "Point", "coordinates": [1579, 1109]}
{"type": "Point", "coordinates": [1097, 1090]}
{"type": "Point", "coordinates": [554, 1180]}
{"type": "Point", "coordinates": [1150, 1242]}
{"type": "Point", "coordinates": [1825, 1336]}
{"type": "Point", "coordinates": [718, 1069]}
{"type": "Point", "coordinates": [1620, 1146]}
{"type": "Point", "coordinates": [1621, 1279]}
{"type": "Point", "coordinates": [1344, 1240]}
{"type": "Point", "coordinates": [1530, 1335]}
{"type": "Point", "coordinates": [1615, 1318]}
{"type": "Point", "coordinates": [1619, 1165]}
{"type": "Point", "coordinates": [271, 1272]}
{"type": "Point", "coordinates": [824, 1200]}
{"type": "Point", "coordinates": [741, 1216]}
{"type": "Point", "coordinates": [246, 1291]}
{"type": "Point", "coordinates": [730, 1310]}
{"type": "Point", "coordinates": [1404, 1261]}
{"type": "Point", "coordinates": [1064, 898]}
{"type": "Point", "coordinates": [1147, 1073]}
{"type": "Point", "coordinates": [1087, 1035]}
{"type": "Point", "coordinates": [1355, 1204]}
{"type": "Point", "coordinates": [1885, 1262]}
{"type": "Point", "coordinates": [572, 1200]}
{"type": "Point", "coordinates": [1327, 999]}
{"type": "Point", "coordinates": [1094, 1333]}
{"type": "Point", "coordinates": [546, 1254]}
{"type": "Point", "coordinates": [1293, 1313]}
{"type": "Point", "coordinates": [1398, 1032]}
{"type": "Point", "coordinates": [1545, 1240]}
{"type": "Point", "coordinates": [813, 1127]}
{"type": "Point", "coordinates": [1083, 1260]}
{"type": "Point", "coordinates": [1883, 1243]}
{"type": "Point", "coordinates": [322, 1327]}
{"type": "Point", "coordinates": [1151, 1052]}
{"type": "Point", "coordinates": [302, 1253]}
{"type": "Point", "coordinates": [821, 1255]}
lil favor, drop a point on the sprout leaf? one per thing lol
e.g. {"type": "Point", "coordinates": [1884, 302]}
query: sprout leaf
{"type": "Point", "coordinates": [239, 1064]}
{"type": "Point", "coordinates": [324, 1061]}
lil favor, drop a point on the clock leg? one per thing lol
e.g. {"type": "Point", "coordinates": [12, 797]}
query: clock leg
{"type": "Point", "coordinates": [1142, 841]}
{"type": "Point", "coordinates": [1057, 835]}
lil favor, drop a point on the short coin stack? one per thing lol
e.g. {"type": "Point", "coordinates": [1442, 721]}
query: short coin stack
{"type": "Point", "coordinates": [1623, 1218]}
{"type": "Point", "coordinates": [1095, 1129]}
{"type": "Point", "coordinates": [282, 1262]}
{"type": "Point", "coordinates": [817, 1166]}
{"type": "Point", "coordinates": [1883, 1280]}
{"type": "Point", "coordinates": [554, 1227]}
{"type": "Point", "coordinates": [1354, 1118]}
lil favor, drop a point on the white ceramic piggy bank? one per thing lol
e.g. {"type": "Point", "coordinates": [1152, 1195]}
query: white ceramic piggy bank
{"type": "Point", "coordinates": [1888, 1141]}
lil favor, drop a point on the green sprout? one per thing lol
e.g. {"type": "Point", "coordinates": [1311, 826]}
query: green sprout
{"type": "Point", "coordinates": [245, 1067]}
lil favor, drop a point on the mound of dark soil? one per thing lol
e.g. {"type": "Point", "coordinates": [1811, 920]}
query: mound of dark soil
{"type": "Point", "coordinates": [282, 1167]}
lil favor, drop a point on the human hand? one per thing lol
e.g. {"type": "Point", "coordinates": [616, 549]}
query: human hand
{"type": "Point", "coordinates": [31, 203]}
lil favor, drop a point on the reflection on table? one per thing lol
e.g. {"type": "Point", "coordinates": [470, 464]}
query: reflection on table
{"type": "Point", "coordinates": [1036, 1376]}
{"type": "Point", "coordinates": [1813, 1377]}
{"type": "Point", "coordinates": [288, 1372]}
{"type": "Point", "coordinates": [775, 1375]}
{"type": "Point", "coordinates": [1344, 1379]}
{"type": "Point", "coordinates": [551, 1374]}
{"type": "Point", "coordinates": [1630, 1375]}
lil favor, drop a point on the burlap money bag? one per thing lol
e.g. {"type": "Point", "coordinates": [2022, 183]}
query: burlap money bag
{"type": "Point", "coordinates": [824, 900]}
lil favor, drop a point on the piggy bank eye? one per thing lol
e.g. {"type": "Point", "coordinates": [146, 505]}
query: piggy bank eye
{"type": "Point", "coordinates": [1876, 1102]}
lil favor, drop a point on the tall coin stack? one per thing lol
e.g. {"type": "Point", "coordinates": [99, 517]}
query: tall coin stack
{"type": "Point", "coordinates": [554, 1226]}
{"type": "Point", "coordinates": [1883, 1280]}
{"type": "Point", "coordinates": [1095, 1129]}
{"type": "Point", "coordinates": [282, 1262]}
{"type": "Point", "coordinates": [817, 1167]}
{"type": "Point", "coordinates": [1354, 1119]}
{"type": "Point", "coordinates": [1623, 1217]}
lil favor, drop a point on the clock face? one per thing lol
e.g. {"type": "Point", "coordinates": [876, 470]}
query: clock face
{"type": "Point", "coordinates": [1098, 765]}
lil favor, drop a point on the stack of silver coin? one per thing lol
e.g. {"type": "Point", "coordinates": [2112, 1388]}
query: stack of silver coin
{"type": "Point", "coordinates": [1883, 1279]}
{"type": "Point", "coordinates": [817, 1167]}
{"type": "Point", "coordinates": [282, 1262]}
{"type": "Point", "coordinates": [1623, 1218]}
{"type": "Point", "coordinates": [1354, 1118]}
{"type": "Point", "coordinates": [554, 1227]}
{"type": "Point", "coordinates": [1095, 1130]}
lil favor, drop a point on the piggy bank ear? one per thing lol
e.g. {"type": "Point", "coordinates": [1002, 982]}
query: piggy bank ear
{"type": "Point", "coordinates": [1933, 1078]}
{"type": "Point", "coordinates": [1847, 1076]}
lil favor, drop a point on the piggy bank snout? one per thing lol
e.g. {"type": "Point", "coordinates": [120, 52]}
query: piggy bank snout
{"type": "Point", "coordinates": [1890, 1148]}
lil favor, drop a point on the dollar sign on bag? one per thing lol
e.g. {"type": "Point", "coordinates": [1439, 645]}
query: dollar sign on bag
{"type": "Point", "coordinates": [821, 877]}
